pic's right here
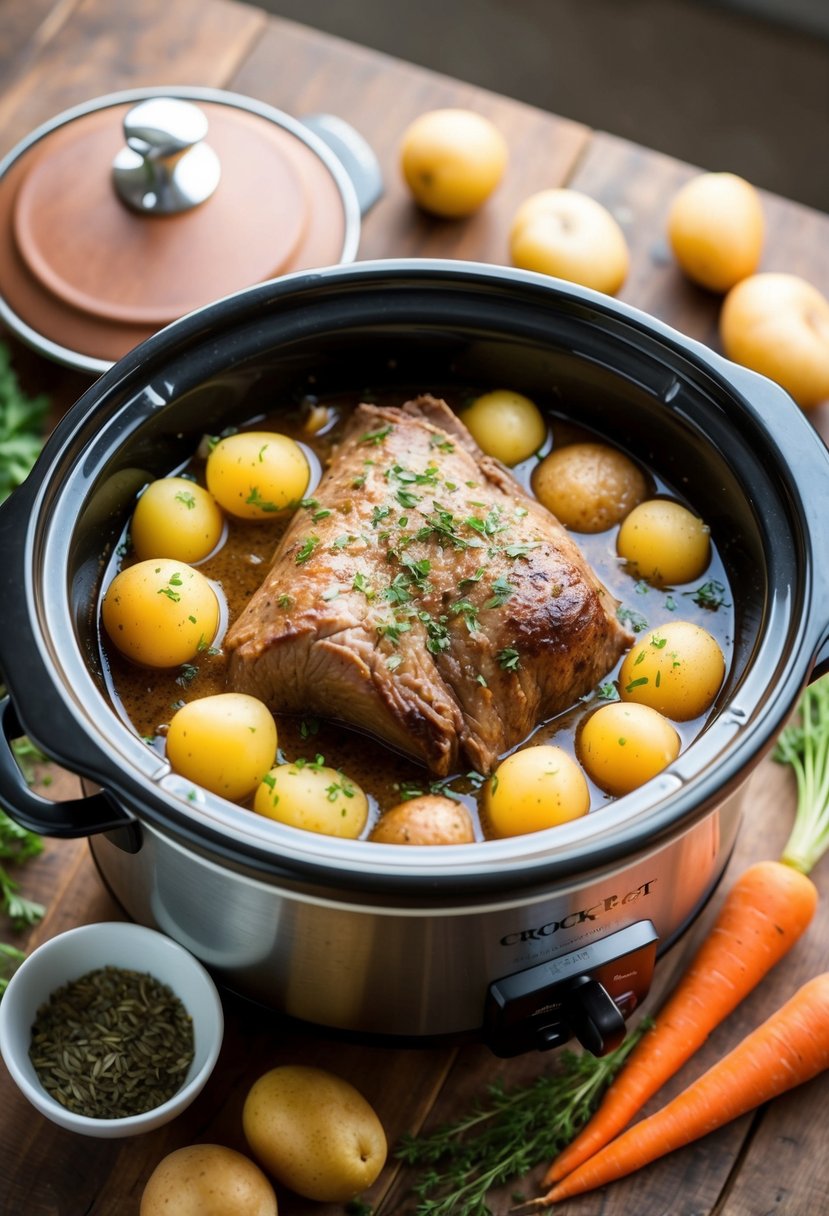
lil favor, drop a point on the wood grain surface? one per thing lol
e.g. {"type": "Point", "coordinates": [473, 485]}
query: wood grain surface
{"type": "Point", "coordinates": [54, 55]}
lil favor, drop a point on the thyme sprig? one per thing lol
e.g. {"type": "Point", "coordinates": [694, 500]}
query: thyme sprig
{"type": "Point", "coordinates": [508, 1133]}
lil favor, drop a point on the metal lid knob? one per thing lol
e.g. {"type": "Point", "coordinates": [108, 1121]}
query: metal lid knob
{"type": "Point", "coordinates": [166, 167]}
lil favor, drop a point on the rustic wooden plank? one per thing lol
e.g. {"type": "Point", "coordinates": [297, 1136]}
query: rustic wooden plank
{"type": "Point", "coordinates": [107, 46]}
{"type": "Point", "coordinates": [380, 96]}
{"type": "Point", "coordinates": [25, 28]}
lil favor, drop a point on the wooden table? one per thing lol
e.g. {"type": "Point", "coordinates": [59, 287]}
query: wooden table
{"type": "Point", "coordinates": [55, 53]}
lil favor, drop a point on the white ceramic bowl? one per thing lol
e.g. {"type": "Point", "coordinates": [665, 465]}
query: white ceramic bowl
{"type": "Point", "coordinates": [72, 954]}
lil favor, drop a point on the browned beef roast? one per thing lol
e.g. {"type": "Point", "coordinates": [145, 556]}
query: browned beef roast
{"type": "Point", "coordinates": [423, 597]}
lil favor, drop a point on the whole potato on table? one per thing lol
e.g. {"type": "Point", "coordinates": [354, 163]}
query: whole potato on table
{"type": "Point", "coordinates": [207, 1180]}
{"type": "Point", "coordinates": [778, 325]}
{"type": "Point", "coordinates": [589, 487]}
{"type": "Point", "coordinates": [572, 236]}
{"type": "Point", "coordinates": [314, 1132]}
{"type": "Point", "coordinates": [716, 228]}
{"type": "Point", "coordinates": [429, 819]}
{"type": "Point", "coordinates": [452, 160]}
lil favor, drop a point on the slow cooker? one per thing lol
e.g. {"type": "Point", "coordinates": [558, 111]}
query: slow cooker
{"type": "Point", "coordinates": [523, 941]}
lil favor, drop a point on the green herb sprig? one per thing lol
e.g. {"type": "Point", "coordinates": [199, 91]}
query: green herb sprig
{"type": "Point", "coordinates": [22, 422]}
{"type": "Point", "coordinates": [507, 1134]}
{"type": "Point", "coordinates": [805, 746]}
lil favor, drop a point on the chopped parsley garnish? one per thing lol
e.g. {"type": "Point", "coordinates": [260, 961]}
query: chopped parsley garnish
{"type": "Point", "coordinates": [627, 616]}
{"type": "Point", "coordinates": [521, 550]}
{"type": "Point", "coordinates": [473, 578]}
{"type": "Point", "coordinates": [306, 549]}
{"type": "Point", "coordinates": [437, 637]}
{"type": "Point", "coordinates": [378, 514]}
{"type": "Point", "coordinates": [508, 658]}
{"type": "Point", "coordinates": [376, 437]}
{"type": "Point", "coordinates": [468, 611]}
{"type": "Point", "coordinates": [501, 591]}
{"type": "Point", "coordinates": [488, 526]}
{"type": "Point", "coordinates": [418, 571]}
{"type": "Point", "coordinates": [710, 595]}
{"type": "Point", "coordinates": [393, 629]}
{"type": "Point", "coordinates": [362, 585]}
{"type": "Point", "coordinates": [255, 499]}
{"type": "Point", "coordinates": [407, 499]}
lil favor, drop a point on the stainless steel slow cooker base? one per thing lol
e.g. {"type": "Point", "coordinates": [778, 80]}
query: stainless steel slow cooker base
{"type": "Point", "coordinates": [410, 967]}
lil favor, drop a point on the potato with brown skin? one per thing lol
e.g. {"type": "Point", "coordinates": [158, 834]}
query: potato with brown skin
{"type": "Point", "coordinates": [314, 1133]}
{"type": "Point", "coordinates": [589, 487]}
{"type": "Point", "coordinates": [429, 819]}
{"type": "Point", "coordinates": [207, 1180]}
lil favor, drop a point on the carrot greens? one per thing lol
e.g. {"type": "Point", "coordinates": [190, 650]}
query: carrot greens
{"type": "Point", "coordinates": [507, 1133]}
{"type": "Point", "coordinates": [805, 746]}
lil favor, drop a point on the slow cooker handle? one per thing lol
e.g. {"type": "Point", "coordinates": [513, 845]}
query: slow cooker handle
{"type": "Point", "coordinates": [71, 818]}
{"type": "Point", "coordinates": [801, 447]}
{"type": "Point", "coordinates": [354, 153]}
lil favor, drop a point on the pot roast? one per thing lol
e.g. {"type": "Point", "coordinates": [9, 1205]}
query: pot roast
{"type": "Point", "coordinates": [423, 597]}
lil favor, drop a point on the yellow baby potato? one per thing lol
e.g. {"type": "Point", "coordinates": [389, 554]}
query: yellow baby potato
{"type": "Point", "coordinates": [314, 1132]}
{"type": "Point", "coordinates": [778, 325]}
{"type": "Point", "coordinates": [429, 819]}
{"type": "Point", "coordinates": [506, 425]}
{"type": "Point", "coordinates": [226, 743]}
{"type": "Point", "coordinates": [623, 745]}
{"type": "Point", "coordinates": [676, 669]}
{"type": "Point", "coordinates": [160, 612]}
{"type": "Point", "coordinates": [665, 541]}
{"type": "Point", "coordinates": [536, 788]}
{"type": "Point", "coordinates": [313, 797]}
{"type": "Point", "coordinates": [589, 487]}
{"type": "Point", "coordinates": [256, 474]}
{"type": "Point", "coordinates": [716, 228]}
{"type": "Point", "coordinates": [570, 235]}
{"type": "Point", "coordinates": [452, 160]}
{"type": "Point", "coordinates": [207, 1180]}
{"type": "Point", "coordinates": [176, 518]}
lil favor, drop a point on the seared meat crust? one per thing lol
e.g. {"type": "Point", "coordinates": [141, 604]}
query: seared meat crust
{"type": "Point", "coordinates": [425, 598]}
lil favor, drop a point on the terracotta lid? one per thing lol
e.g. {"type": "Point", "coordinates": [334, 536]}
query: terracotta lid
{"type": "Point", "coordinates": [123, 214]}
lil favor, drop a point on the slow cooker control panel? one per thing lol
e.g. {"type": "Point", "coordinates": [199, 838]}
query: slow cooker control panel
{"type": "Point", "coordinates": [586, 994]}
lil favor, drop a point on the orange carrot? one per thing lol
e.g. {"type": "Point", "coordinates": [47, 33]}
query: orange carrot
{"type": "Point", "coordinates": [764, 914]}
{"type": "Point", "coordinates": [791, 1047]}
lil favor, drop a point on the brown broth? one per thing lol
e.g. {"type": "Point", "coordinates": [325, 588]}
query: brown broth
{"type": "Point", "coordinates": [147, 698]}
